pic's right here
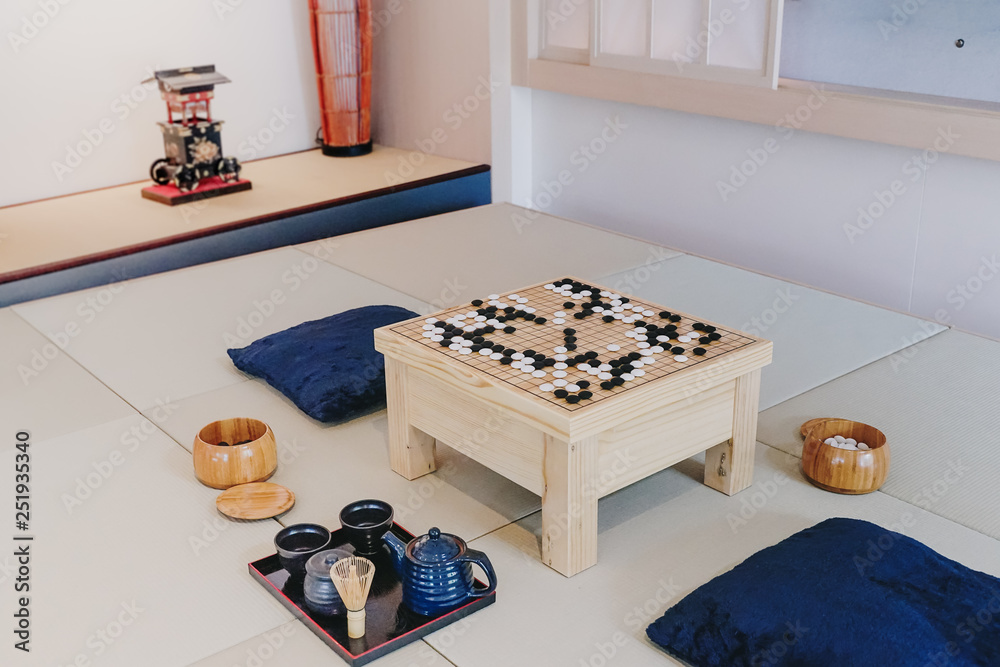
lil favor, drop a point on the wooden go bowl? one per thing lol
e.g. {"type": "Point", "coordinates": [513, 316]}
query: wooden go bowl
{"type": "Point", "coordinates": [223, 466]}
{"type": "Point", "coordinates": [842, 470]}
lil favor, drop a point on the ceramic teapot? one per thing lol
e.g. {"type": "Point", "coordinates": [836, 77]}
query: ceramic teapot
{"type": "Point", "coordinates": [436, 571]}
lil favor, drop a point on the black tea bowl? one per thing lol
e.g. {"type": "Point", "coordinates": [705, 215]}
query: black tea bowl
{"type": "Point", "coordinates": [364, 523]}
{"type": "Point", "coordinates": [297, 543]}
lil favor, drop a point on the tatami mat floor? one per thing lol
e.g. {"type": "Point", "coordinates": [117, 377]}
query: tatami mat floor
{"type": "Point", "coordinates": [146, 366]}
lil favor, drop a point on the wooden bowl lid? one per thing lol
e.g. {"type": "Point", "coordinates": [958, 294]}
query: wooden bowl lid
{"type": "Point", "coordinates": [258, 500]}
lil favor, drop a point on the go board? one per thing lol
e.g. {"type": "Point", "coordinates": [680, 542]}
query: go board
{"type": "Point", "coordinates": [572, 343]}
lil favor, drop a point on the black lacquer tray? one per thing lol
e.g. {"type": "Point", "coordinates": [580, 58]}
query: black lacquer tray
{"type": "Point", "coordinates": [389, 624]}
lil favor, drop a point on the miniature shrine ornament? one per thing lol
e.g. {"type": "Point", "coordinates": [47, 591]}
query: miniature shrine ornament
{"type": "Point", "coordinates": [194, 166]}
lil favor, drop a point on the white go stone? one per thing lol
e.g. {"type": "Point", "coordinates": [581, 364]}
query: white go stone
{"type": "Point", "coordinates": [494, 296]}
{"type": "Point", "coordinates": [558, 320]}
{"type": "Point", "coordinates": [455, 346]}
{"type": "Point", "coordinates": [516, 364]}
{"type": "Point", "coordinates": [663, 339]}
{"type": "Point", "coordinates": [547, 387]}
{"type": "Point", "coordinates": [637, 364]}
{"type": "Point", "coordinates": [517, 356]}
{"type": "Point", "coordinates": [840, 438]}
{"type": "Point", "coordinates": [560, 366]}
{"type": "Point", "coordinates": [549, 286]}
{"type": "Point", "coordinates": [604, 367]}
{"type": "Point", "coordinates": [851, 441]}
{"type": "Point", "coordinates": [496, 356]}
{"type": "Point", "coordinates": [681, 358]}
{"type": "Point", "coordinates": [560, 382]}
{"type": "Point", "coordinates": [638, 372]}
{"type": "Point", "coordinates": [430, 320]}
{"type": "Point", "coordinates": [465, 350]}
{"type": "Point", "coordinates": [593, 371]}
{"type": "Point", "coordinates": [863, 447]}
{"type": "Point", "coordinates": [584, 367]}
{"type": "Point", "coordinates": [642, 345]}
{"type": "Point", "coordinates": [560, 350]}
{"type": "Point", "coordinates": [559, 313]}
{"type": "Point", "coordinates": [640, 330]}
{"type": "Point", "coordinates": [627, 376]}
{"type": "Point", "coordinates": [559, 374]}
{"type": "Point", "coordinates": [604, 376]}
{"type": "Point", "coordinates": [613, 348]}
{"type": "Point", "coordinates": [572, 387]}
{"type": "Point", "coordinates": [683, 339]}
{"type": "Point", "coordinates": [436, 338]}
{"type": "Point", "coordinates": [560, 357]}
{"type": "Point", "coordinates": [829, 441]}
{"type": "Point", "coordinates": [485, 351]}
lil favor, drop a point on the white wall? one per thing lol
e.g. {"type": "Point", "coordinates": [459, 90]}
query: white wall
{"type": "Point", "coordinates": [71, 85]}
{"type": "Point", "coordinates": [796, 217]}
{"type": "Point", "coordinates": [431, 90]}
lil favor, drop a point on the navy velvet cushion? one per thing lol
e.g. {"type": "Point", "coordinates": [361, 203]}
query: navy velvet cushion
{"type": "Point", "coordinates": [841, 593]}
{"type": "Point", "coordinates": [329, 368]}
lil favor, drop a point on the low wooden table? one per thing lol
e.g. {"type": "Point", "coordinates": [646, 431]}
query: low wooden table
{"type": "Point", "coordinates": [573, 453]}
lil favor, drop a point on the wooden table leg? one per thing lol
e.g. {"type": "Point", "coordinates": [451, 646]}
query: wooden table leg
{"type": "Point", "coordinates": [411, 451]}
{"type": "Point", "coordinates": [569, 505]}
{"type": "Point", "coordinates": [729, 466]}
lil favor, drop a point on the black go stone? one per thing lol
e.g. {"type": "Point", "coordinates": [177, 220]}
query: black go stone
{"type": "Point", "coordinates": [698, 326]}
{"type": "Point", "coordinates": [489, 328]}
{"type": "Point", "coordinates": [477, 302]}
{"type": "Point", "coordinates": [549, 362]}
{"type": "Point", "coordinates": [509, 330]}
{"type": "Point", "coordinates": [704, 340]}
{"type": "Point", "coordinates": [569, 332]}
{"type": "Point", "coordinates": [618, 371]}
{"type": "Point", "coordinates": [608, 318]}
{"type": "Point", "coordinates": [509, 309]}
{"type": "Point", "coordinates": [699, 351]}
{"type": "Point", "coordinates": [501, 318]}
{"type": "Point", "coordinates": [715, 336]}
{"type": "Point", "coordinates": [665, 314]}
{"type": "Point", "coordinates": [570, 346]}
{"type": "Point", "coordinates": [498, 347]}
{"type": "Point", "coordinates": [580, 315]}
{"type": "Point", "coordinates": [634, 356]}
{"type": "Point", "coordinates": [569, 304]}
{"type": "Point", "coordinates": [583, 384]}
{"type": "Point", "coordinates": [607, 385]}
{"type": "Point", "coordinates": [476, 348]}
{"type": "Point", "coordinates": [572, 398]}
{"type": "Point", "coordinates": [585, 394]}
{"type": "Point", "coordinates": [617, 381]}
{"type": "Point", "coordinates": [677, 350]}
{"type": "Point", "coordinates": [615, 363]}
{"type": "Point", "coordinates": [506, 361]}
{"type": "Point", "coordinates": [591, 355]}
{"type": "Point", "coordinates": [709, 328]}
{"type": "Point", "coordinates": [561, 393]}
{"type": "Point", "coordinates": [478, 340]}
{"type": "Point", "coordinates": [540, 320]}
{"type": "Point", "coordinates": [509, 352]}
{"type": "Point", "coordinates": [445, 343]}
{"type": "Point", "coordinates": [675, 318]}
{"type": "Point", "coordinates": [529, 353]}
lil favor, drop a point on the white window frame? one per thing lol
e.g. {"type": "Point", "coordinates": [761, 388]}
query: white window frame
{"type": "Point", "coordinates": [899, 119]}
{"type": "Point", "coordinates": [766, 76]}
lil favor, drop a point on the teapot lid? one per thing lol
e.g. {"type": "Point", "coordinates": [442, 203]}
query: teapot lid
{"type": "Point", "coordinates": [435, 547]}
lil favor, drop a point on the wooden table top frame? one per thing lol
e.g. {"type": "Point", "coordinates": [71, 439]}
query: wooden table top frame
{"type": "Point", "coordinates": [572, 455]}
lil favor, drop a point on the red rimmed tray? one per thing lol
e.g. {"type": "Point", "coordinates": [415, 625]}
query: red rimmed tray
{"type": "Point", "coordinates": [389, 624]}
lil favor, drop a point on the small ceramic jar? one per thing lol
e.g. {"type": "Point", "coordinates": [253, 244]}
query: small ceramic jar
{"type": "Point", "coordinates": [321, 594]}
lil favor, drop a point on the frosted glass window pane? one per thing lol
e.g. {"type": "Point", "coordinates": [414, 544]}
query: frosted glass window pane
{"type": "Point", "coordinates": [623, 27]}
{"type": "Point", "coordinates": [676, 24]}
{"type": "Point", "coordinates": [567, 23]}
{"type": "Point", "coordinates": [738, 32]}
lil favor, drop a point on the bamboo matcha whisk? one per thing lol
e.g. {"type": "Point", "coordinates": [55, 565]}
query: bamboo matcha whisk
{"type": "Point", "coordinates": [353, 579]}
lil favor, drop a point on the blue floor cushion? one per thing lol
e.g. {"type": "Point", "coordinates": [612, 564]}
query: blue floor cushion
{"type": "Point", "coordinates": [329, 368]}
{"type": "Point", "coordinates": [843, 593]}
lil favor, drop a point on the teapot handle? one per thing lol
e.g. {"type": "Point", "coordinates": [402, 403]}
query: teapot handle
{"type": "Point", "coordinates": [483, 561]}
